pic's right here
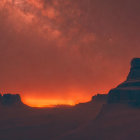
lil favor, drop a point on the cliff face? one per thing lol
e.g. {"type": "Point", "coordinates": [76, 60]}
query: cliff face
{"type": "Point", "coordinates": [128, 91]}
{"type": "Point", "coordinates": [10, 99]}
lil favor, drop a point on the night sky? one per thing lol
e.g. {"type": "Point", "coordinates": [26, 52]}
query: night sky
{"type": "Point", "coordinates": [65, 51]}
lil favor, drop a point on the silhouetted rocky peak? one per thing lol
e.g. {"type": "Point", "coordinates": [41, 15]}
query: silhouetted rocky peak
{"type": "Point", "coordinates": [10, 99]}
{"type": "Point", "coordinates": [128, 91]}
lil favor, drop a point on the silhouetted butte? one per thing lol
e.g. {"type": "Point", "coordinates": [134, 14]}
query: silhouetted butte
{"type": "Point", "coordinates": [10, 99]}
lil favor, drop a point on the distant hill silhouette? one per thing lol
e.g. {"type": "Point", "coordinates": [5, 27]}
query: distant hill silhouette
{"type": "Point", "coordinates": [128, 91]}
{"type": "Point", "coordinates": [98, 98]}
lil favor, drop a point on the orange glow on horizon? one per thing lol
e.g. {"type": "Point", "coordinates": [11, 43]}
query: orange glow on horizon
{"type": "Point", "coordinates": [52, 100]}
{"type": "Point", "coordinates": [34, 102]}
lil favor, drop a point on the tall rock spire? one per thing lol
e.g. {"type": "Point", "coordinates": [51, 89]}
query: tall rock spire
{"type": "Point", "coordinates": [135, 70]}
{"type": "Point", "coordinates": [128, 91]}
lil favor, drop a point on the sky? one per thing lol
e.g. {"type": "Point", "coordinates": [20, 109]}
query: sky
{"type": "Point", "coordinates": [66, 51]}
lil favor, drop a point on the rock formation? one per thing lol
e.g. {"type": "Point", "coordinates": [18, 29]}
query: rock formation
{"type": "Point", "coordinates": [100, 97]}
{"type": "Point", "coordinates": [135, 70]}
{"type": "Point", "coordinates": [128, 91]}
{"type": "Point", "coordinates": [10, 99]}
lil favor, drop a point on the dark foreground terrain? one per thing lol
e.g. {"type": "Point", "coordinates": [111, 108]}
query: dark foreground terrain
{"type": "Point", "coordinates": [25, 123]}
{"type": "Point", "coordinates": [95, 120]}
{"type": "Point", "coordinates": [116, 122]}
